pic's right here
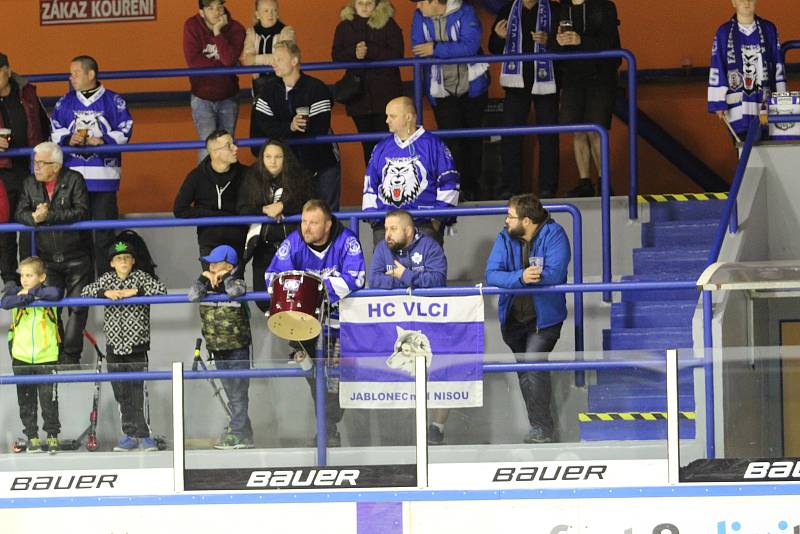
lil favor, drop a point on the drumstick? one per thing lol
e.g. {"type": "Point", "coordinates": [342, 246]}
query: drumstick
{"type": "Point", "coordinates": [730, 128]}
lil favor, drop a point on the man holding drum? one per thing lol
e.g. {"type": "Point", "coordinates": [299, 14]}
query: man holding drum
{"type": "Point", "coordinates": [332, 255]}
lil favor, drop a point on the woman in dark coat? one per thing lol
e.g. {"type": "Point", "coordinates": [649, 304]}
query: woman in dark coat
{"type": "Point", "coordinates": [277, 186]}
{"type": "Point", "coordinates": [368, 32]}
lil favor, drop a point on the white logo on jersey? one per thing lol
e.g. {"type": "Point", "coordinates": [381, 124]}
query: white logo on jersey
{"type": "Point", "coordinates": [353, 246]}
{"type": "Point", "coordinates": [751, 56]}
{"type": "Point", "coordinates": [416, 257]}
{"type": "Point", "coordinates": [211, 52]}
{"type": "Point", "coordinates": [283, 250]}
{"type": "Point", "coordinates": [402, 180]}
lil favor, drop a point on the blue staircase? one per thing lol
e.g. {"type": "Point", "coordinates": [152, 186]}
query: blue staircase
{"type": "Point", "coordinates": [675, 246]}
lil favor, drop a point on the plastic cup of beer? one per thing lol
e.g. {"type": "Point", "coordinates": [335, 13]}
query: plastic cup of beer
{"type": "Point", "coordinates": [536, 261]}
{"type": "Point", "coordinates": [302, 112]}
{"type": "Point", "coordinates": [565, 26]}
{"type": "Point", "coordinates": [6, 133]}
{"type": "Point", "coordinates": [83, 132]}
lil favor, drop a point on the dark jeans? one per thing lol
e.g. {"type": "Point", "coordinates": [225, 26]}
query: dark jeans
{"type": "Point", "coordinates": [516, 107]}
{"type": "Point", "coordinates": [425, 228]}
{"type": "Point", "coordinates": [333, 411]}
{"type": "Point", "coordinates": [130, 394]}
{"type": "Point", "coordinates": [236, 389]}
{"type": "Point", "coordinates": [27, 396]}
{"type": "Point", "coordinates": [463, 112]}
{"type": "Point", "coordinates": [374, 122]}
{"type": "Point", "coordinates": [72, 275]}
{"type": "Point", "coordinates": [12, 180]}
{"type": "Point", "coordinates": [103, 207]}
{"type": "Point", "coordinates": [524, 339]}
{"type": "Point", "coordinates": [329, 184]}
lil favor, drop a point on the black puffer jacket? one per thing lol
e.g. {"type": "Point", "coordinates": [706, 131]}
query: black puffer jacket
{"type": "Point", "coordinates": [70, 203]}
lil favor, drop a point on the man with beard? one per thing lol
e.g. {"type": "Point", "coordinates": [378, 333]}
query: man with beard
{"type": "Point", "coordinates": [325, 248]}
{"type": "Point", "coordinates": [533, 249]}
{"type": "Point", "coordinates": [406, 258]}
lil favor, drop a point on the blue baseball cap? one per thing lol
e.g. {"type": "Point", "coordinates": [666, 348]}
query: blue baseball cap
{"type": "Point", "coordinates": [222, 253]}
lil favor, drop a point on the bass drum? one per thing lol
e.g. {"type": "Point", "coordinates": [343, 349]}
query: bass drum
{"type": "Point", "coordinates": [295, 311]}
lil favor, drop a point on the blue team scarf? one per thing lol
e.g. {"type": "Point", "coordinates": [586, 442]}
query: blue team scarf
{"type": "Point", "coordinates": [741, 74]}
{"type": "Point", "coordinates": [544, 80]}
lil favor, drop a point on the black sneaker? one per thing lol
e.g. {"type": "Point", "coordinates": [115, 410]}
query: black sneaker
{"type": "Point", "coordinates": [583, 189]}
{"type": "Point", "coordinates": [334, 439]}
{"type": "Point", "coordinates": [435, 436]}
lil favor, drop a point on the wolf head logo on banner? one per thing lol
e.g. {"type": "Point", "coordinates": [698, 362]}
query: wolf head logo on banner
{"type": "Point", "coordinates": [409, 344]}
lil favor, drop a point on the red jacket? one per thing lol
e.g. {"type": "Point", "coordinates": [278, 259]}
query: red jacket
{"type": "Point", "coordinates": [202, 49]}
{"type": "Point", "coordinates": [38, 121]}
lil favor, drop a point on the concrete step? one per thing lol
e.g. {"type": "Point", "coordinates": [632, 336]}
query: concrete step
{"type": "Point", "coordinates": [693, 234]}
{"type": "Point", "coordinates": [689, 210]}
{"type": "Point", "coordinates": [636, 398]}
{"type": "Point", "coordinates": [649, 314]}
{"type": "Point", "coordinates": [659, 295]}
{"type": "Point", "coordinates": [647, 338]}
{"type": "Point", "coordinates": [658, 260]}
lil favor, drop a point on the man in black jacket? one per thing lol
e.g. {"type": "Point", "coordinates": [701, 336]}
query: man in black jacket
{"type": "Point", "coordinates": [210, 190]}
{"type": "Point", "coordinates": [57, 195]}
{"type": "Point", "coordinates": [523, 17]}
{"type": "Point", "coordinates": [588, 87]}
{"type": "Point", "coordinates": [294, 105]}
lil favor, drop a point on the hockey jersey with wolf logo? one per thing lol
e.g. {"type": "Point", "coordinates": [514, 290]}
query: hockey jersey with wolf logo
{"type": "Point", "coordinates": [414, 174]}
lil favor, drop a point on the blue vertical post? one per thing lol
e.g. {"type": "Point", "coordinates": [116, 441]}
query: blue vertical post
{"type": "Point", "coordinates": [577, 276]}
{"type": "Point", "coordinates": [708, 367]}
{"type": "Point", "coordinates": [33, 242]}
{"type": "Point", "coordinates": [321, 388]}
{"type": "Point", "coordinates": [733, 224]}
{"type": "Point", "coordinates": [418, 91]}
{"type": "Point", "coordinates": [605, 206]}
{"type": "Point", "coordinates": [354, 227]}
{"type": "Point", "coordinates": [633, 140]}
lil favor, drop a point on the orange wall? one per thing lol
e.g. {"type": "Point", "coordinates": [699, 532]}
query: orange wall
{"type": "Point", "coordinates": [661, 34]}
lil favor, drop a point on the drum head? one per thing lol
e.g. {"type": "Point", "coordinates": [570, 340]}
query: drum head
{"type": "Point", "coordinates": [294, 325]}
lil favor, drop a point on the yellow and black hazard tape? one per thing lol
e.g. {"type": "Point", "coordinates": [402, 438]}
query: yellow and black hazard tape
{"type": "Point", "coordinates": [585, 417]}
{"type": "Point", "coordinates": [682, 197]}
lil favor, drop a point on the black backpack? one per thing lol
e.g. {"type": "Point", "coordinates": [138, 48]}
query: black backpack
{"type": "Point", "coordinates": [144, 261]}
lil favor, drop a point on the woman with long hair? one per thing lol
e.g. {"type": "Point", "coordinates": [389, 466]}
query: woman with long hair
{"type": "Point", "coordinates": [277, 186]}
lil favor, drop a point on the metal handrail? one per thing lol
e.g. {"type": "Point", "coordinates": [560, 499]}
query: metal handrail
{"type": "Point", "coordinates": [788, 45]}
{"type": "Point", "coordinates": [418, 64]}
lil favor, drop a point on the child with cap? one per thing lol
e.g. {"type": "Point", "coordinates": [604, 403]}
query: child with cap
{"type": "Point", "coordinates": [226, 329]}
{"type": "Point", "coordinates": [33, 340]}
{"type": "Point", "coordinates": [127, 330]}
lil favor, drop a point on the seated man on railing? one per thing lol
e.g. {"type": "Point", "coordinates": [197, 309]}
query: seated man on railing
{"type": "Point", "coordinates": [532, 249]}
{"type": "Point", "coordinates": [305, 112]}
{"type": "Point", "coordinates": [325, 248]}
{"type": "Point", "coordinates": [410, 169]}
{"type": "Point", "coordinates": [58, 195]}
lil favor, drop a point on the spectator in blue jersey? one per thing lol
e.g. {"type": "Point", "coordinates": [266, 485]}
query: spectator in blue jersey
{"type": "Point", "coordinates": [531, 323]}
{"type": "Point", "coordinates": [91, 115]}
{"type": "Point", "coordinates": [294, 105]}
{"type": "Point", "coordinates": [213, 39]}
{"type": "Point", "coordinates": [588, 87]}
{"type": "Point", "coordinates": [58, 195]}
{"type": "Point", "coordinates": [24, 117]}
{"type": "Point", "coordinates": [411, 169]}
{"type": "Point", "coordinates": [525, 27]}
{"type": "Point", "coordinates": [458, 93]}
{"type": "Point", "coordinates": [322, 246]}
{"type": "Point", "coordinates": [746, 66]}
{"type": "Point", "coordinates": [211, 190]}
{"type": "Point", "coordinates": [406, 258]}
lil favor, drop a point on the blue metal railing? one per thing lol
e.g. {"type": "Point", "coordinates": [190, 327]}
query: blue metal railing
{"type": "Point", "coordinates": [417, 64]}
{"type": "Point", "coordinates": [788, 45]}
{"type": "Point", "coordinates": [605, 201]}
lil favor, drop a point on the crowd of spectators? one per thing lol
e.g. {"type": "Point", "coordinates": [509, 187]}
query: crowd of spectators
{"type": "Point", "coordinates": [410, 168]}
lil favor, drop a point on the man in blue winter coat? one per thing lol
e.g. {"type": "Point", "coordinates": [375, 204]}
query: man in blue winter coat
{"type": "Point", "coordinates": [532, 249]}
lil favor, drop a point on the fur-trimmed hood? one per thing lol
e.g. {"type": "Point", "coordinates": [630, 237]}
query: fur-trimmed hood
{"type": "Point", "coordinates": [384, 10]}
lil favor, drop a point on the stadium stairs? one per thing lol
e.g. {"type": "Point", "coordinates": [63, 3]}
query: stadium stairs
{"type": "Point", "coordinates": [627, 404]}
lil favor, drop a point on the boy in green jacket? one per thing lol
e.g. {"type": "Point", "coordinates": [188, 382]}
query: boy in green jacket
{"type": "Point", "coordinates": [33, 341]}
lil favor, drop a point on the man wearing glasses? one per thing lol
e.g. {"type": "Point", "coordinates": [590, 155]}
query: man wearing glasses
{"type": "Point", "coordinates": [210, 190]}
{"type": "Point", "coordinates": [58, 195]}
{"type": "Point", "coordinates": [531, 250]}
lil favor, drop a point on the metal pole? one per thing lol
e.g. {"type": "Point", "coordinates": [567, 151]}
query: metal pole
{"type": "Point", "coordinates": [733, 224]}
{"type": "Point", "coordinates": [418, 77]}
{"type": "Point", "coordinates": [354, 226]}
{"type": "Point", "coordinates": [708, 369]}
{"type": "Point", "coordinates": [673, 431]}
{"type": "Point", "coordinates": [605, 207]}
{"type": "Point", "coordinates": [321, 389]}
{"type": "Point", "coordinates": [577, 276]}
{"type": "Point", "coordinates": [633, 140]}
{"type": "Point", "coordinates": [421, 390]}
{"type": "Point", "coordinates": [178, 458]}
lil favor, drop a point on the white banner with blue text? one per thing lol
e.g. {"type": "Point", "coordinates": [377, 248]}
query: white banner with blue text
{"type": "Point", "coordinates": [382, 336]}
